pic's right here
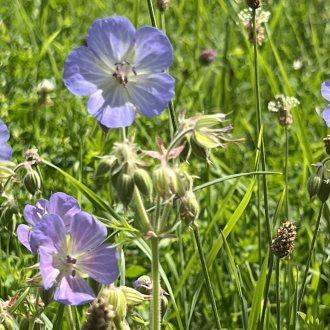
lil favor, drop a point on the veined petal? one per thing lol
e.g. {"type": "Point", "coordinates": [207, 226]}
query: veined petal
{"type": "Point", "coordinates": [5, 151]}
{"type": "Point", "coordinates": [325, 89]}
{"type": "Point", "coordinates": [151, 93]}
{"type": "Point", "coordinates": [326, 115]}
{"type": "Point", "coordinates": [86, 233]}
{"type": "Point", "coordinates": [111, 39]}
{"type": "Point", "coordinates": [73, 290]}
{"type": "Point", "coordinates": [4, 134]}
{"type": "Point", "coordinates": [153, 51]}
{"type": "Point", "coordinates": [48, 272]}
{"type": "Point", "coordinates": [100, 264]}
{"type": "Point", "coordinates": [49, 232]}
{"type": "Point", "coordinates": [33, 214]}
{"type": "Point", "coordinates": [64, 206]}
{"type": "Point", "coordinates": [112, 107]}
{"type": "Point", "coordinates": [84, 73]}
{"type": "Point", "coordinates": [23, 234]}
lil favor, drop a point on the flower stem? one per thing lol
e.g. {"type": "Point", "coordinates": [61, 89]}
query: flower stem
{"type": "Point", "coordinates": [303, 284]}
{"type": "Point", "coordinates": [278, 297]}
{"type": "Point", "coordinates": [155, 306]}
{"type": "Point", "coordinates": [286, 173]}
{"type": "Point", "coordinates": [206, 276]}
{"type": "Point", "coordinates": [152, 13]}
{"type": "Point", "coordinates": [177, 138]}
{"type": "Point", "coordinates": [141, 211]}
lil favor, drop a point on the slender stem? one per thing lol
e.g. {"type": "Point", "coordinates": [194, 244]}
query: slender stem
{"type": "Point", "coordinates": [286, 171]}
{"type": "Point", "coordinates": [141, 211]}
{"type": "Point", "coordinates": [155, 322]}
{"type": "Point", "coordinates": [70, 317]}
{"type": "Point", "coordinates": [278, 296]}
{"type": "Point", "coordinates": [206, 276]}
{"type": "Point", "coordinates": [152, 13]}
{"type": "Point", "coordinates": [303, 284]}
{"type": "Point", "coordinates": [288, 310]}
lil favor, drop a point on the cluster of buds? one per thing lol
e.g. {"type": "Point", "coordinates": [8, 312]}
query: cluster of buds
{"type": "Point", "coordinates": [261, 18]}
{"type": "Point", "coordinates": [126, 171]}
{"type": "Point", "coordinates": [44, 90]}
{"type": "Point", "coordinates": [283, 105]}
{"type": "Point", "coordinates": [319, 183]}
{"type": "Point", "coordinates": [283, 243]}
{"type": "Point", "coordinates": [203, 133]}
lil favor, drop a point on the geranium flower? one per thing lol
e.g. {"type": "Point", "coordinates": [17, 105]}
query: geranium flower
{"type": "Point", "coordinates": [5, 149]}
{"type": "Point", "coordinates": [66, 256]}
{"type": "Point", "coordinates": [122, 70]}
{"type": "Point", "coordinates": [325, 91]}
{"type": "Point", "coordinates": [59, 203]}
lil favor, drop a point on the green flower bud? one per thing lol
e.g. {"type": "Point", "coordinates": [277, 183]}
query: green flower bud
{"type": "Point", "coordinates": [143, 284]}
{"type": "Point", "coordinates": [165, 181]}
{"type": "Point", "coordinates": [189, 208]}
{"type": "Point", "coordinates": [6, 169]}
{"type": "Point", "coordinates": [124, 185]}
{"type": "Point", "coordinates": [198, 150]}
{"type": "Point", "coordinates": [104, 166]}
{"type": "Point", "coordinates": [324, 190]}
{"type": "Point", "coordinates": [143, 181]}
{"type": "Point", "coordinates": [313, 185]}
{"type": "Point", "coordinates": [32, 181]}
{"type": "Point", "coordinates": [7, 321]}
{"type": "Point", "coordinates": [132, 296]}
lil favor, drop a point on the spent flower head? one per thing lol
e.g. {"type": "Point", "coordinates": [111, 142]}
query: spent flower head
{"type": "Point", "coordinates": [67, 255]}
{"type": "Point", "coordinates": [283, 105]}
{"type": "Point", "coordinates": [325, 91]}
{"type": "Point", "coordinates": [122, 70]}
{"type": "Point", "coordinates": [5, 148]}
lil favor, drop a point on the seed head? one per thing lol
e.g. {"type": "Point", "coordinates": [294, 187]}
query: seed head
{"type": "Point", "coordinates": [283, 243]}
{"type": "Point", "coordinates": [163, 4]}
{"type": "Point", "coordinates": [254, 4]}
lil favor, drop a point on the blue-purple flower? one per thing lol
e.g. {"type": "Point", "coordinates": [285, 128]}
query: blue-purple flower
{"type": "Point", "coordinates": [122, 70]}
{"type": "Point", "coordinates": [59, 203]}
{"type": "Point", "coordinates": [67, 256]}
{"type": "Point", "coordinates": [5, 149]}
{"type": "Point", "coordinates": [325, 91]}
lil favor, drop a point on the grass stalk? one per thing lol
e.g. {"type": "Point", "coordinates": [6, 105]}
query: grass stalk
{"type": "Point", "coordinates": [206, 276]}
{"type": "Point", "coordinates": [309, 259]}
{"type": "Point", "coordinates": [278, 296]}
{"type": "Point", "coordinates": [155, 306]}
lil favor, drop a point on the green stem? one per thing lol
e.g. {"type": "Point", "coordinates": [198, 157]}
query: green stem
{"type": "Point", "coordinates": [286, 167]}
{"type": "Point", "coordinates": [155, 322]}
{"type": "Point", "coordinates": [70, 318]}
{"type": "Point", "coordinates": [288, 310]}
{"type": "Point", "coordinates": [278, 296]}
{"type": "Point", "coordinates": [303, 284]}
{"type": "Point", "coordinates": [152, 13]}
{"type": "Point", "coordinates": [206, 276]}
{"type": "Point", "coordinates": [141, 211]}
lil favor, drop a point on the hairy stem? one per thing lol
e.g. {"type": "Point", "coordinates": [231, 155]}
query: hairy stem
{"type": "Point", "coordinates": [155, 306]}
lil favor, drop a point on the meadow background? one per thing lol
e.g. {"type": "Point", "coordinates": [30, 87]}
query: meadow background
{"type": "Point", "coordinates": [35, 38]}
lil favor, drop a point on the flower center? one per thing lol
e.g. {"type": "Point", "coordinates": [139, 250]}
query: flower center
{"type": "Point", "coordinates": [123, 70]}
{"type": "Point", "coordinates": [70, 262]}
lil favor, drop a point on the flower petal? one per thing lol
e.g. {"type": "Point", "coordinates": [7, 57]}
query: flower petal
{"type": "Point", "coordinates": [49, 232]}
{"type": "Point", "coordinates": [112, 108]}
{"type": "Point", "coordinates": [111, 39]}
{"type": "Point", "coordinates": [326, 115]}
{"type": "Point", "coordinates": [64, 206]}
{"type": "Point", "coordinates": [4, 134]}
{"type": "Point", "coordinates": [86, 233]}
{"type": "Point", "coordinates": [84, 73]}
{"type": "Point", "coordinates": [48, 272]}
{"type": "Point", "coordinates": [100, 263]}
{"type": "Point", "coordinates": [5, 151]}
{"type": "Point", "coordinates": [325, 89]}
{"type": "Point", "coordinates": [23, 234]}
{"type": "Point", "coordinates": [73, 290]}
{"type": "Point", "coordinates": [33, 214]}
{"type": "Point", "coordinates": [153, 51]}
{"type": "Point", "coordinates": [151, 93]}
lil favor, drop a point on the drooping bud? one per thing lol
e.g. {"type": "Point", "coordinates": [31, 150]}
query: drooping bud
{"type": "Point", "coordinates": [143, 284]}
{"type": "Point", "coordinates": [32, 181]}
{"type": "Point", "coordinates": [283, 243]}
{"type": "Point", "coordinates": [326, 141]}
{"type": "Point", "coordinates": [165, 181]}
{"type": "Point", "coordinates": [313, 184]}
{"type": "Point", "coordinates": [104, 166]}
{"type": "Point", "coordinates": [44, 89]}
{"type": "Point", "coordinates": [100, 316]}
{"type": "Point", "coordinates": [254, 4]}
{"type": "Point", "coordinates": [143, 181]}
{"type": "Point", "coordinates": [189, 208]}
{"type": "Point", "coordinates": [207, 56]}
{"type": "Point", "coordinates": [163, 4]}
{"type": "Point", "coordinates": [324, 190]}
{"type": "Point", "coordinates": [124, 184]}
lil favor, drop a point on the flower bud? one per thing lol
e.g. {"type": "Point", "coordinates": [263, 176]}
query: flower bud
{"type": "Point", "coordinates": [104, 166]}
{"type": "Point", "coordinates": [6, 169]}
{"type": "Point", "coordinates": [124, 185]}
{"type": "Point", "coordinates": [207, 56]}
{"type": "Point", "coordinates": [132, 296]}
{"type": "Point", "coordinates": [165, 181]}
{"type": "Point", "coordinates": [143, 181]}
{"type": "Point", "coordinates": [143, 284]}
{"type": "Point", "coordinates": [313, 185]}
{"type": "Point", "coordinates": [32, 181]}
{"type": "Point", "coordinates": [324, 190]}
{"type": "Point", "coordinates": [189, 208]}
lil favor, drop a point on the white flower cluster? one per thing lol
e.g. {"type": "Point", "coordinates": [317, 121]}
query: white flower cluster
{"type": "Point", "coordinates": [283, 102]}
